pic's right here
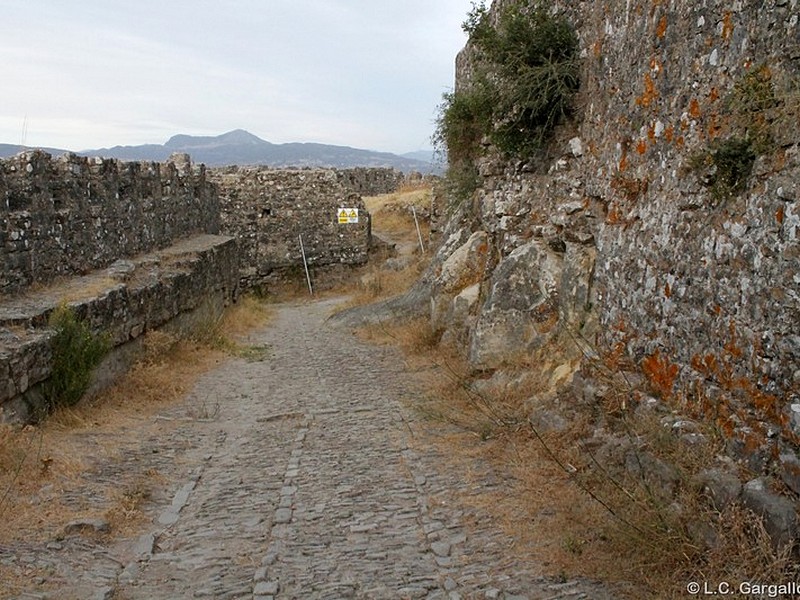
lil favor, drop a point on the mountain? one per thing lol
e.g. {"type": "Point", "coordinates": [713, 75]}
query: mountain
{"type": "Point", "coordinates": [239, 147]}
{"type": "Point", "coordinates": [428, 156]}
{"type": "Point", "coordinates": [7, 150]}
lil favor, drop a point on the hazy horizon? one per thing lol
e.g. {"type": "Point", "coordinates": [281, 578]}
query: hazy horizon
{"type": "Point", "coordinates": [340, 72]}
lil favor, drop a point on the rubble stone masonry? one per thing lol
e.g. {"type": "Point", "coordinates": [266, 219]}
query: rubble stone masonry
{"type": "Point", "coordinates": [70, 215]}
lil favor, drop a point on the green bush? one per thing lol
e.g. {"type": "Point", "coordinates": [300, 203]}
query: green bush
{"type": "Point", "coordinates": [76, 352]}
{"type": "Point", "coordinates": [464, 118]}
{"type": "Point", "coordinates": [726, 167]}
{"type": "Point", "coordinates": [752, 98]}
{"type": "Point", "coordinates": [524, 78]}
{"type": "Point", "coordinates": [534, 57]}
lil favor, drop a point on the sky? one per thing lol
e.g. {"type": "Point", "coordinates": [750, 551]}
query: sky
{"type": "Point", "coordinates": [99, 73]}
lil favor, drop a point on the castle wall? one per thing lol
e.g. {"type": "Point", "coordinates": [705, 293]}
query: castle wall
{"type": "Point", "coordinates": [69, 215]}
{"type": "Point", "coordinates": [269, 209]}
{"type": "Point", "coordinates": [662, 227]}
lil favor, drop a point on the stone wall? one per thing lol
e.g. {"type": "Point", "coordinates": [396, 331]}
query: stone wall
{"type": "Point", "coordinates": [69, 215]}
{"type": "Point", "coordinates": [130, 247]}
{"type": "Point", "coordinates": [196, 276]}
{"type": "Point", "coordinates": [684, 268]}
{"type": "Point", "coordinates": [367, 181]}
{"type": "Point", "coordinates": [269, 209]}
{"type": "Point", "coordinates": [640, 231]}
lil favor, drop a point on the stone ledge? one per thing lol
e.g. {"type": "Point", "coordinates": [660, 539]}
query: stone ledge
{"type": "Point", "coordinates": [124, 301]}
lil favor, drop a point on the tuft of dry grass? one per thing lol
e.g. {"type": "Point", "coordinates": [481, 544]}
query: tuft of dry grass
{"type": "Point", "coordinates": [392, 215]}
{"type": "Point", "coordinates": [416, 337]}
{"type": "Point", "coordinates": [379, 282]}
{"type": "Point", "coordinates": [125, 514]}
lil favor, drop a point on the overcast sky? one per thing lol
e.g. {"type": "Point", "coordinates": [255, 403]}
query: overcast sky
{"type": "Point", "coordinates": [98, 73]}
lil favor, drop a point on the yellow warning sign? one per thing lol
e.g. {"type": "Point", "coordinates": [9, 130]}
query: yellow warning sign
{"type": "Point", "coordinates": [347, 215]}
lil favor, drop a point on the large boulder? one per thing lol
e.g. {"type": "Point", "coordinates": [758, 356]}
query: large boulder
{"type": "Point", "coordinates": [778, 512]}
{"type": "Point", "coordinates": [521, 309]}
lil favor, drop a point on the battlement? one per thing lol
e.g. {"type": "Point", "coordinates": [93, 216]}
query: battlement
{"type": "Point", "coordinates": [66, 216]}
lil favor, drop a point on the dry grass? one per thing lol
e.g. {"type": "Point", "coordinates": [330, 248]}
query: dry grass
{"type": "Point", "coordinates": [392, 215]}
{"type": "Point", "coordinates": [377, 282]}
{"type": "Point", "coordinates": [40, 465]}
{"type": "Point", "coordinates": [573, 503]}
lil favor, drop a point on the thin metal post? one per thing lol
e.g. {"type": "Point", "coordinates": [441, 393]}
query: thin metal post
{"type": "Point", "coordinates": [305, 264]}
{"type": "Point", "coordinates": [419, 234]}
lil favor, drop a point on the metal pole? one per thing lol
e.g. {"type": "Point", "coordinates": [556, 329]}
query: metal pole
{"type": "Point", "coordinates": [419, 234]}
{"type": "Point", "coordinates": [305, 264]}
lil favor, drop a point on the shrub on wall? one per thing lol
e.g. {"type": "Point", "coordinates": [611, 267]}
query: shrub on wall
{"type": "Point", "coordinates": [76, 352]}
{"type": "Point", "coordinates": [524, 79]}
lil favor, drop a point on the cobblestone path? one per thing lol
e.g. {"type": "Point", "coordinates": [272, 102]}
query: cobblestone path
{"type": "Point", "coordinates": [306, 480]}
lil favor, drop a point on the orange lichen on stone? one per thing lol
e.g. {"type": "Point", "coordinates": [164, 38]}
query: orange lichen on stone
{"type": "Point", "coordinates": [623, 162]}
{"type": "Point", "coordinates": [727, 26]}
{"type": "Point", "coordinates": [694, 108]}
{"type": "Point", "coordinates": [661, 373]}
{"type": "Point", "coordinates": [779, 215]}
{"type": "Point", "coordinates": [713, 95]}
{"type": "Point", "coordinates": [661, 28]}
{"type": "Point", "coordinates": [669, 133]}
{"type": "Point", "coordinates": [655, 65]}
{"type": "Point", "coordinates": [641, 147]}
{"type": "Point", "coordinates": [650, 92]}
{"type": "Point", "coordinates": [714, 128]}
{"type": "Point", "coordinates": [614, 216]}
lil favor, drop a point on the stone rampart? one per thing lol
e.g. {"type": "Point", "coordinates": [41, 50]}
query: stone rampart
{"type": "Point", "coordinates": [70, 215]}
{"type": "Point", "coordinates": [672, 213]}
{"type": "Point", "coordinates": [129, 298]}
{"type": "Point", "coordinates": [130, 247]}
{"type": "Point", "coordinates": [268, 210]}
{"type": "Point", "coordinates": [662, 226]}
{"type": "Point", "coordinates": [368, 181]}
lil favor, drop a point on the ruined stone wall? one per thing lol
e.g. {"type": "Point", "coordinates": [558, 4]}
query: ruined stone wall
{"type": "Point", "coordinates": [691, 273]}
{"type": "Point", "coordinates": [192, 279]}
{"type": "Point", "coordinates": [269, 209]}
{"type": "Point", "coordinates": [130, 247]}
{"type": "Point", "coordinates": [367, 181]}
{"type": "Point", "coordinates": [664, 222]}
{"type": "Point", "coordinates": [69, 215]}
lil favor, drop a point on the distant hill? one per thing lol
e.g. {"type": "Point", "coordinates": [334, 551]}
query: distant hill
{"type": "Point", "coordinates": [240, 147]}
{"type": "Point", "coordinates": [7, 150]}
{"type": "Point", "coordinates": [427, 156]}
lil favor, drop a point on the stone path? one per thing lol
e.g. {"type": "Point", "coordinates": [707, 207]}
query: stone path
{"type": "Point", "coordinates": [304, 480]}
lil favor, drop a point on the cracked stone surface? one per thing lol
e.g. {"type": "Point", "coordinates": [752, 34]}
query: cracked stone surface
{"type": "Point", "coordinates": [309, 482]}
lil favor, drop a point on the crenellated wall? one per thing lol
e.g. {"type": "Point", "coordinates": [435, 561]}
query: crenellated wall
{"type": "Point", "coordinates": [69, 215]}
{"type": "Point", "coordinates": [370, 181]}
{"type": "Point", "coordinates": [130, 247]}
